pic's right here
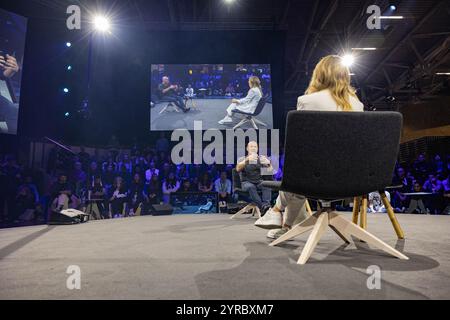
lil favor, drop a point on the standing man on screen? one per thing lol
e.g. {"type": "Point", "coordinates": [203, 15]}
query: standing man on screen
{"type": "Point", "coordinates": [168, 91]}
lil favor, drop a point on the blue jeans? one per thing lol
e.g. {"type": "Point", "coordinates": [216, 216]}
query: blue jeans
{"type": "Point", "coordinates": [179, 102]}
{"type": "Point", "coordinates": [252, 189]}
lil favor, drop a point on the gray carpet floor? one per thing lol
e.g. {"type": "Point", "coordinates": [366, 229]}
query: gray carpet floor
{"type": "Point", "coordinates": [209, 111]}
{"type": "Point", "coordinates": [213, 257]}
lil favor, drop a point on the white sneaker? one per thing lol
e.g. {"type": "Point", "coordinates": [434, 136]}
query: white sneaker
{"type": "Point", "coordinates": [227, 119]}
{"type": "Point", "coordinates": [276, 233]}
{"type": "Point", "coordinates": [271, 220]}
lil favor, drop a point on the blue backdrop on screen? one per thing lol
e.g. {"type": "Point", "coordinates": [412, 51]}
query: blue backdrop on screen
{"type": "Point", "coordinates": [12, 45]}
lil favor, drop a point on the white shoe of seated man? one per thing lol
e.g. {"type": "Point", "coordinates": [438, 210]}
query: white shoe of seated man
{"type": "Point", "coordinates": [271, 220]}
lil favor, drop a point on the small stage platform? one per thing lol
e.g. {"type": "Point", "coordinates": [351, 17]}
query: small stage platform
{"type": "Point", "coordinates": [213, 257]}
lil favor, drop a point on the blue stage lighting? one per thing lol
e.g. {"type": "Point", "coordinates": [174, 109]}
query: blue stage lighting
{"type": "Point", "coordinates": [66, 90]}
{"type": "Point", "coordinates": [66, 114]}
{"type": "Point", "coordinates": [393, 8]}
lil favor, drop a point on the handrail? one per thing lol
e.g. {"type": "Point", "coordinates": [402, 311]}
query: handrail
{"type": "Point", "coordinates": [59, 145]}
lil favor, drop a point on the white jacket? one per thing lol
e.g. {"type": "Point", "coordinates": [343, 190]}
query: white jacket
{"type": "Point", "coordinates": [323, 101]}
{"type": "Point", "coordinates": [249, 103]}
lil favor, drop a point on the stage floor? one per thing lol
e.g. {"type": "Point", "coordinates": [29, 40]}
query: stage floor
{"type": "Point", "coordinates": [209, 112]}
{"type": "Point", "coordinates": [213, 257]}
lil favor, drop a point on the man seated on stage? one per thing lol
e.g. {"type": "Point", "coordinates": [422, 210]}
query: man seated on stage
{"type": "Point", "coordinates": [250, 168]}
{"type": "Point", "coordinates": [168, 91]}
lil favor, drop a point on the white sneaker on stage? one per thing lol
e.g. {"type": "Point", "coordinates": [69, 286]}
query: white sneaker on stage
{"type": "Point", "coordinates": [225, 120]}
{"type": "Point", "coordinates": [276, 233]}
{"type": "Point", "coordinates": [271, 220]}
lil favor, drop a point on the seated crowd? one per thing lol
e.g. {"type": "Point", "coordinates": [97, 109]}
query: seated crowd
{"type": "Point", "coordinates": [121, 184]}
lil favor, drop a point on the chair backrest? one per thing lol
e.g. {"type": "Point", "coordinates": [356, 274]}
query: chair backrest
{"type": "Point", "coordinates": [260, 106]}
{"type": "Point", "coordinates": [236, 179]}
{"type": "Point", "coordinates": [331, 155]}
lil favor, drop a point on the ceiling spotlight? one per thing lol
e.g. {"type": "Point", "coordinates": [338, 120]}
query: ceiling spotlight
{"type": "Point", "coordinates": [365, 49]}
{"type": "Point", "coordinates": [391, 17]}
{"type": "Point", "coordinates": [392, 7]}
{"type": "Point", "coordinates": [69, 68]}
{"type": "Point", "coordinates": [68, 44]}
{"type": "Point", "coordinates": [66, 90]}
{"type": "Point", "coordinates": [229, 1]}
{"type": "Point", "coordinates": [348, 60]}
{"type": "Point", "coordinates": [66, 114]}
{"type": "Point", "coordinates": [443, 73]}
{"type": "Point", "coordinates": [101, 23]}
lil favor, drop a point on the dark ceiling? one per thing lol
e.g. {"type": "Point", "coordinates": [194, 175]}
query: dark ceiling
{"type": "Point", "coordinates": [409, 52]}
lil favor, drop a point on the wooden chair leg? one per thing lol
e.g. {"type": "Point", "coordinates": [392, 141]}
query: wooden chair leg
{"type": "Point", "coordinates": [138, 210]}
{"type": "Point", "coordinates": [392, 217]}
{"type": "Point", "coordinates": [347, 227]}
{"type": "Point", "coordinates": [96, 211]}
{"type": "Point", "coordinates": [356, 205]}
{"type": "Point", "coordinates": [363, 213]}
{"type": "Point", "coordinates": [258, 212]}
{"type": "Point", "coordinates": [341, 234]}
{"type": "Point", "coordinates": [242, 122]}
{"type": "Point", "coordinates": [164, 109]}
{"type": "Point", "coordinates": [314, 237]}
{"type": "Point", "coordinates": [297, 230]}
{"type": "Point", "coordinates": [241, 212]}
{"type": "Point", "coordinates": [125, 210]}
{"type": "Point", "coordinates": [308, 207]}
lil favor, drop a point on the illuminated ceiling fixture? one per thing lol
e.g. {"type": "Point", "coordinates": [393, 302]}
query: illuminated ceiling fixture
{"type": "Point", "coordinates": [365, 49]}
{"type": "Point", "coordinates": [391, 17]}
{"type": "Point", "coordinates": [347, 60]}
{"type": "Point", "coordinates": [101, 23]}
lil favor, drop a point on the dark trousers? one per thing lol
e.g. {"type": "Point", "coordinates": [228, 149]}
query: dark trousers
{"type": "Point", "coordinates": [177, 100]}
{"type": "Point", "coordinates": [252, 189]}
{"type": "Point", "coordinates": [117, 205]}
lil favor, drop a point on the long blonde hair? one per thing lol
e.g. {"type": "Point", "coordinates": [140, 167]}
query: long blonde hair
{"type": "Point", "coordinates": [331, 74]}
{"type": "Point", "coordinates": [255, 82]}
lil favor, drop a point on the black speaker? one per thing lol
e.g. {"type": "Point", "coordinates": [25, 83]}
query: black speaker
{"type": "Point", "coordinates": [162, 210]}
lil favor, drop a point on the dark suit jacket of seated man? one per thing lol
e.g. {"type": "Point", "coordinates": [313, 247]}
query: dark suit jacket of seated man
{"type": "Point", "coordinates": [250, 168]}
{"type": "Point", "coordinates": [167, 92]}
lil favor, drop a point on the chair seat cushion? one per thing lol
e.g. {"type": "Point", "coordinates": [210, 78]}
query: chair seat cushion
{"type": "Point", "coordinates": [242, 112]}
{"type": "Point", "coordinates": [274, 185]}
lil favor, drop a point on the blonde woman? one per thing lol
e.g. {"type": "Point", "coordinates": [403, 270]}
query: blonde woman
{"type": "Point", "coordinates": [328, 90]}
{"type": "Point", "coordinates": [247, 104]}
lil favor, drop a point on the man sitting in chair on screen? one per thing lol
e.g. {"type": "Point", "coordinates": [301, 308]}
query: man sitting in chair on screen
{"type": "Point", "coordinates": [247, 104]}
{"type": "Point", "coordinates": [329, 90]}
{"type": "Point", "coordinates": [167, 91]}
